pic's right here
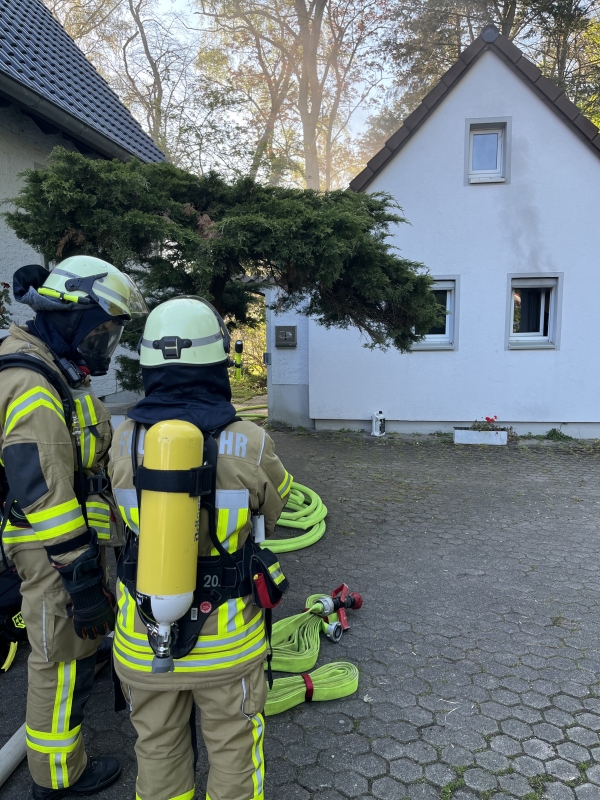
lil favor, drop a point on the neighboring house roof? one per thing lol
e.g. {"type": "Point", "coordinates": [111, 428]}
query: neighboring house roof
{"type": "Point", "coordinates": [490, 39]}
{"type": "Point", "coordinates": [43, 71]}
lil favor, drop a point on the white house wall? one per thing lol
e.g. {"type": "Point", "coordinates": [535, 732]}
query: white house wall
{"type": "Point", "coordinates": [24, 146]}
{"type": "Point", "coordinates": [287, 377]}
{"type": "Point", "coordinates": [545, 220]}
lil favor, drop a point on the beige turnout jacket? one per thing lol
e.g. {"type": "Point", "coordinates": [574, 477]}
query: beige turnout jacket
{"type": "Point", "coordinates": [38, 453]}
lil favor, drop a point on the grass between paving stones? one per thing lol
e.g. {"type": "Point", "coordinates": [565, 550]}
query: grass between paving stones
{"type": "Point", "coordinates": [538, 784]}
{"type": "Point", "coordinates": [582, 767]}
{"type": "Point", "coordinates": [448, 789]}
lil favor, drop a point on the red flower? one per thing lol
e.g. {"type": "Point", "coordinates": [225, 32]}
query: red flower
{"type": "Point", "coordinates": [5, 285]}
{"type": "Point", "coordinates": [491, 419]}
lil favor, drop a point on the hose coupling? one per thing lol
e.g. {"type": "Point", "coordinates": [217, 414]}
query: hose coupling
{"type": "Point", "coordinates": [328, 605]}
{"type": "Point", "coordinates": [333, 631]}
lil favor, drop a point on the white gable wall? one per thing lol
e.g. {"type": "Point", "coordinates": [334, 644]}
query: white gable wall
{"type": "Point", "coordinates": [545, 221]}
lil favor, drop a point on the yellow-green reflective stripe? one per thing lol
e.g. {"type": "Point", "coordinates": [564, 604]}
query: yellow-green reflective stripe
{"type": "Point", "coordinates": [143, 663]}
{"type": "Point", "coordinates": [276, 572]}
{"type": "Point", "coordinates": [57, 520]}
{"type": "Point", "coordinates": [185, 796]}
{"type": "Point", "coordinates": [258, 777]}
{"type": "Point", "coordinates": [99, 518]}
{"type": "Point", "coordinates": [52, 513]}
{"type": "Point", "coordinates": [52, 743]}
{"type": "Point", "coordinates": [286, 485]}
{"type": "Point", "coordinates": [231, 616]}
{"type": "Point", "coordinates": [28, 402]}
{"type": "Point", "coordinates": [86, 414]}
{"type": "Point", "coordinates": [18, 535]}
{"type": "Point", "coordinates": [127, 502]}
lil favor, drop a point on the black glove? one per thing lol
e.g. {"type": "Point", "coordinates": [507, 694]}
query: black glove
{"type": "Point", "coordinates": [93, 603]}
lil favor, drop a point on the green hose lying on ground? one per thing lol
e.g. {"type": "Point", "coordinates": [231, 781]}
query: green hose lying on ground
{"type": "Point", "coordinates": [295, 643]}
{"type": "Point", "coordinates": [330, 682]}
{"type": "Point", "coordinates": [304, 511]}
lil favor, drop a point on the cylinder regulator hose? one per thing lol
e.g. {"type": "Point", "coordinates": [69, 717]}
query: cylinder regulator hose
{"type": "Point", "coordinates": [304, 511]}
{"type": "Point", "coordinates": [329, 682]}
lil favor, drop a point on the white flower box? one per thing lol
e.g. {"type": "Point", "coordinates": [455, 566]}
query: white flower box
{"type": "Point", "coordinates": [467, 436]}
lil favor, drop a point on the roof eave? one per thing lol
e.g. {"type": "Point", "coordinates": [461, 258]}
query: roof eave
{"type": "Point", "coordinates": [69, 123]}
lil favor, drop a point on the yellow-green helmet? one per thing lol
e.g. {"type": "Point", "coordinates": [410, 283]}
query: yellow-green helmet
{"type": "Point", "coordinates": [87, 280]}
{"type": "Point", "coordinates": [184, 330]}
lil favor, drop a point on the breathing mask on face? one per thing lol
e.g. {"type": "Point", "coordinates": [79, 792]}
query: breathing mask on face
{"type": "Point", "coordinates": [99, 346]}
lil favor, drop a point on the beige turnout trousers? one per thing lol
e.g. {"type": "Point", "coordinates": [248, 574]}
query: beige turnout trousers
{"type": "Point", "coordinates": [60, 672]}
{"type": "Point", "coordinates": [233, 731]}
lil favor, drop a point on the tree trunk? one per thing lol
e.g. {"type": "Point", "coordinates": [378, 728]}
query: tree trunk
{"type": "Point", "coordinates": [310, 91]}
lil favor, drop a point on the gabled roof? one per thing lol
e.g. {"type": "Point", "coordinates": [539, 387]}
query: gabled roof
{"type": "Point", "coordinates": [43, 71]}
{"type": "Point", "coordinates": [490, 39]}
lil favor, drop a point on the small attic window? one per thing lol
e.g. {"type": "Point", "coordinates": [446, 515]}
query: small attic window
{"type": "Point", "coordinates": [487, 153]}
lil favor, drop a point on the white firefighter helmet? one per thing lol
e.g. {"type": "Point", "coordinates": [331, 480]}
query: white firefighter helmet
{"type": "Point", "coordinates": [87, 280]}
{"type": "Point", "coordinates": [184, 330]}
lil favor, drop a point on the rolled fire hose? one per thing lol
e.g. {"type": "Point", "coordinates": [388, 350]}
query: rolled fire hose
{"type": "Point", "coordinates": [242, 412]}
{"type": "Point", "coordinates": [307, 513]}
{"type": "Point", "coordinates": [15, 750]}
{"type": "Point", "coordinates": [295, 644]}
{"type": "Point", "coordinates": [329, 682]}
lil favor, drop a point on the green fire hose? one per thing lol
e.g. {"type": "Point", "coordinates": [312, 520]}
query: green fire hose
{"type": "Point", "coordinates": [304, 511]}
{"type": "Point", "coordinates": [330, 682]}
{"type": "Point", "coordinates": [295, 644]}
{"type": "Point", "coordinates": [243, 415]}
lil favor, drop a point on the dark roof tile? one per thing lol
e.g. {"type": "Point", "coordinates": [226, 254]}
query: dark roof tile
{"type": "Point", "coordinates": [396, 140]}
{"type": "Point", "coordinates": [37, 53]}
{"type": "Point", "coordinates": [586, 126]}
{"type": "Point", "coordinates": [436, 94]}
{"type": "Point", "coordinates": [473, 50]}
{"type": "Point", "coordinates": [361, 179]}
{"type": "Point", "coordinates": [549, 88]}
{"type": "Point", "coordinates": [413, 120]}
{"type": "Point", "coordinates": [508, 48]}
{"type": "Point", "coordinates": [452, 74]}
{"type": "Point", "coordinates": [379, 159]}
{"type": "Point", "coordinates": [528, 69]}
{"type": "Point", "coordinates": [568, 108]}
{"type": "Point", "coordinates": [490, 39]}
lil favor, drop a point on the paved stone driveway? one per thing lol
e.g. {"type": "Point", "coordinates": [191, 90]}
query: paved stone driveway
{"type": "Point", "coordinates": [478, 642]}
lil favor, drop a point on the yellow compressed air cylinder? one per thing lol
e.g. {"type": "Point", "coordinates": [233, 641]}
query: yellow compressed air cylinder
{"type": "Point", "coordinates": [168, 543]}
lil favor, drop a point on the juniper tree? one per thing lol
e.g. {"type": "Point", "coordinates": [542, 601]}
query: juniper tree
{"type": "Point", "coordinates": [327, 253]}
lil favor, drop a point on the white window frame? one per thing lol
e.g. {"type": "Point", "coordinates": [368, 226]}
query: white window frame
{"type": "Point", "coordinates": [535, 341]}
{"type": "Point", "coordinates": [500, 125]}
{"type": "Point", "coordinates": [487, 176]}
{"type": "Point", "coordinates": [447, 340]}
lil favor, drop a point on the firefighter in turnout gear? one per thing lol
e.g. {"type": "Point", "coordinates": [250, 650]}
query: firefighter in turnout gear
{"type": "Point", "coordinates": [218, 647]}
{"type": "Point", "coordinates": [58, 511]}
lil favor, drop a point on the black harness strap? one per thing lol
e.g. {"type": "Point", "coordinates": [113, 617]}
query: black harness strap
{"type": "Point", "coordinates": [195, 482]}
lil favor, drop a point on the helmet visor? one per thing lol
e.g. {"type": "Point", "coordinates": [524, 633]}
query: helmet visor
{"type": "Point", "coordinates": [102, 341]}
{"type": "Point", "coordinates": [119, 296]}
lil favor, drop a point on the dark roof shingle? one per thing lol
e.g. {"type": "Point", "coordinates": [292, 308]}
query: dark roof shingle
{"type": "Point", "coordinates": [36, 53]}
{"type": "Point", "coordinates": [490, 39]}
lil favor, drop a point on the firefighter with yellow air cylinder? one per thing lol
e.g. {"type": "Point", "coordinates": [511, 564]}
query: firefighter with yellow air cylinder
{"type": "Point", "coordinates": [195, 486]}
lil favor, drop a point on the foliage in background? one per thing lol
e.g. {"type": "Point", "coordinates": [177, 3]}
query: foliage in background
{"type": "Point", "coordinates": [254, 336]}
{"type": "Point", "coordinates": [426, 37]}
{"type": "Point", "coordinates": [183, 234]}
{"type": "Point", "coordinates": [272, 90]}
{"type": "Point", "coordinates": [5, 301]}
